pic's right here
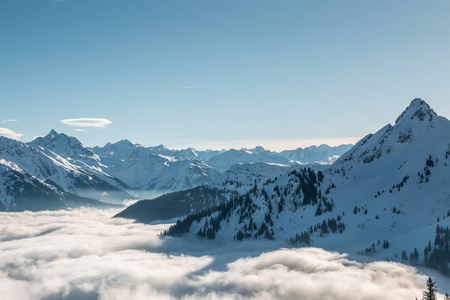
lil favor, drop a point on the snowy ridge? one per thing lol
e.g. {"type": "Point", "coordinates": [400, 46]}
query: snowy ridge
{"type": "Point", "coordinates": [226, 160]}
{"type": "Point", "coordinates": [154, 169]}
{"type": "Point", "coordinates": [159, 170]}
{"type": "Point", "coordinates": [322, 153]}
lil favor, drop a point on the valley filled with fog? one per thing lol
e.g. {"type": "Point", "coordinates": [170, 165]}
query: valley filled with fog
{"type": "Point", "coordinates": [86, 254]}
{"type": "Point", "coordinates": [293, 150]}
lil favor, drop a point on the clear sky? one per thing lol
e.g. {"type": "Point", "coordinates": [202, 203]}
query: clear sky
{"type": "Point", "coordinates": [218, 73]}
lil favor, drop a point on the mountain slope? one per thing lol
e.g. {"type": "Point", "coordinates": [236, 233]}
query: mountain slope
{"type": "Point", "coordinates": [241, 178]}
{"type": "Point", "coordinates": [388, 186]}
{"type": "Point", "coordinates": [20, 191]}
{"type": "Point", "coordinates": [175, 204]}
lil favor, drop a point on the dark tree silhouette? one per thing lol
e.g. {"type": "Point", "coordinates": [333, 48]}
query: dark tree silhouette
{"type": "Point", "coordinates": [430, 292]}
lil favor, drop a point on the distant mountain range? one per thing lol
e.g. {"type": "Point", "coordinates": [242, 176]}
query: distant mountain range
{"type": "Point", "coordinates": [60, 167]}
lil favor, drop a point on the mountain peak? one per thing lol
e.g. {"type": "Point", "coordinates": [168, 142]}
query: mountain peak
{"type": "Point", "coordinates": [124, 142]}
{"type": "Point", "coordinates": [61, 144]}
{"type": "Point", "coordinates": [160, 148]}
{"type": "Point", "coordinates": [53, 132]}
{"type": "Point", "coordinates": [259, 149]}
{"type": "Point", "coordinates": [417, 109]}
{"type": "Point", "coordinates": [53, 135]}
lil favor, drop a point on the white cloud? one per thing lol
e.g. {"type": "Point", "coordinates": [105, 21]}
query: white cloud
{"type": "Point", "coordinates": [81, 130]}
{"type": "Point", "coordinates": [87, 122]}
{"type": "Point", "coordinates": [9, 120]}
{"type": "Point", "coordinates": [85, 254]}
{"type": "Point", "coordinates": [10, 134]}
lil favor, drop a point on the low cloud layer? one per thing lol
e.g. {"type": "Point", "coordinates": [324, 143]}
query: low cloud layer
{"type": "Point", "coordinates": [84, 254]}
{"type": "Point", "coordinates": [87, 122]}
{"type": "Point", "coordinates": [10, 134]}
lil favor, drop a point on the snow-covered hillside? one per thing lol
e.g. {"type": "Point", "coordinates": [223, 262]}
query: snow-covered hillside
{"type": "Point", "coordinates": [240, 179]}
{"type": "Point", "coordinates": [385, 196]}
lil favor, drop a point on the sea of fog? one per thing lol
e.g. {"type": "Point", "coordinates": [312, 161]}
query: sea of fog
{"type": "Point", "coordinates": [86, 254]}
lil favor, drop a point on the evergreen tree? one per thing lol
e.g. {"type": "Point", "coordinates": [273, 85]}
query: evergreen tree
{"type": "Point", "coordinates": [404, 255]}
{"type": "Point", "coordinates": [430, 292]}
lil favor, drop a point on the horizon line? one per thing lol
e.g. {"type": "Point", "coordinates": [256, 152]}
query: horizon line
{"type": "Point", "coordinates": [272, 144]}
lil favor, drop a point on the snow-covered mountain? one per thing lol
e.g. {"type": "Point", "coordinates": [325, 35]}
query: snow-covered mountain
{"type": "Point", "coordinates": [322, 153]}
{"type": "Point", "coordinates": [66, 166]}
{"type": "Point", "coordinates": [124, 148]}
{"type": "Point", "coordinates": [21, 191]}
{"type": "Point", "coordinates": [158, 169]}
{"type": "Point", "coordinates": [71, 149]}
{"type": "Point", "coordinates": [240, 179]}
{"type": "Point", "coordinates": [142, 171]}
{"type": "Point", "coordinates": [154, 169]}
{"type": "Point", "coordinates": [392, 186]}
{"type": "Point", "coordinates": [48, 166]}
{"type": "Point", "coordinates": [225, 160]}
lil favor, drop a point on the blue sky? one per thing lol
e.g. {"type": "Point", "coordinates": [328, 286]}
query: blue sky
{"type": "Point", "coordinates": [218, 73]}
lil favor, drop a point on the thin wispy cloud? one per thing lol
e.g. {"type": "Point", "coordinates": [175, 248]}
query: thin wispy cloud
{"type": "Point", "coordinates": [81, 130]}
{"type": "Point", "coordinates": [10, 134]}
{"type": "Point", "coordinates": [87, 122]}
{"type": "Point", "coordinates": [9, 120]}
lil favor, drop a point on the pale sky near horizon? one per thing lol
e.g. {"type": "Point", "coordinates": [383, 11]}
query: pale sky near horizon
{"type": "Point", "coordinates": [219, 74]}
